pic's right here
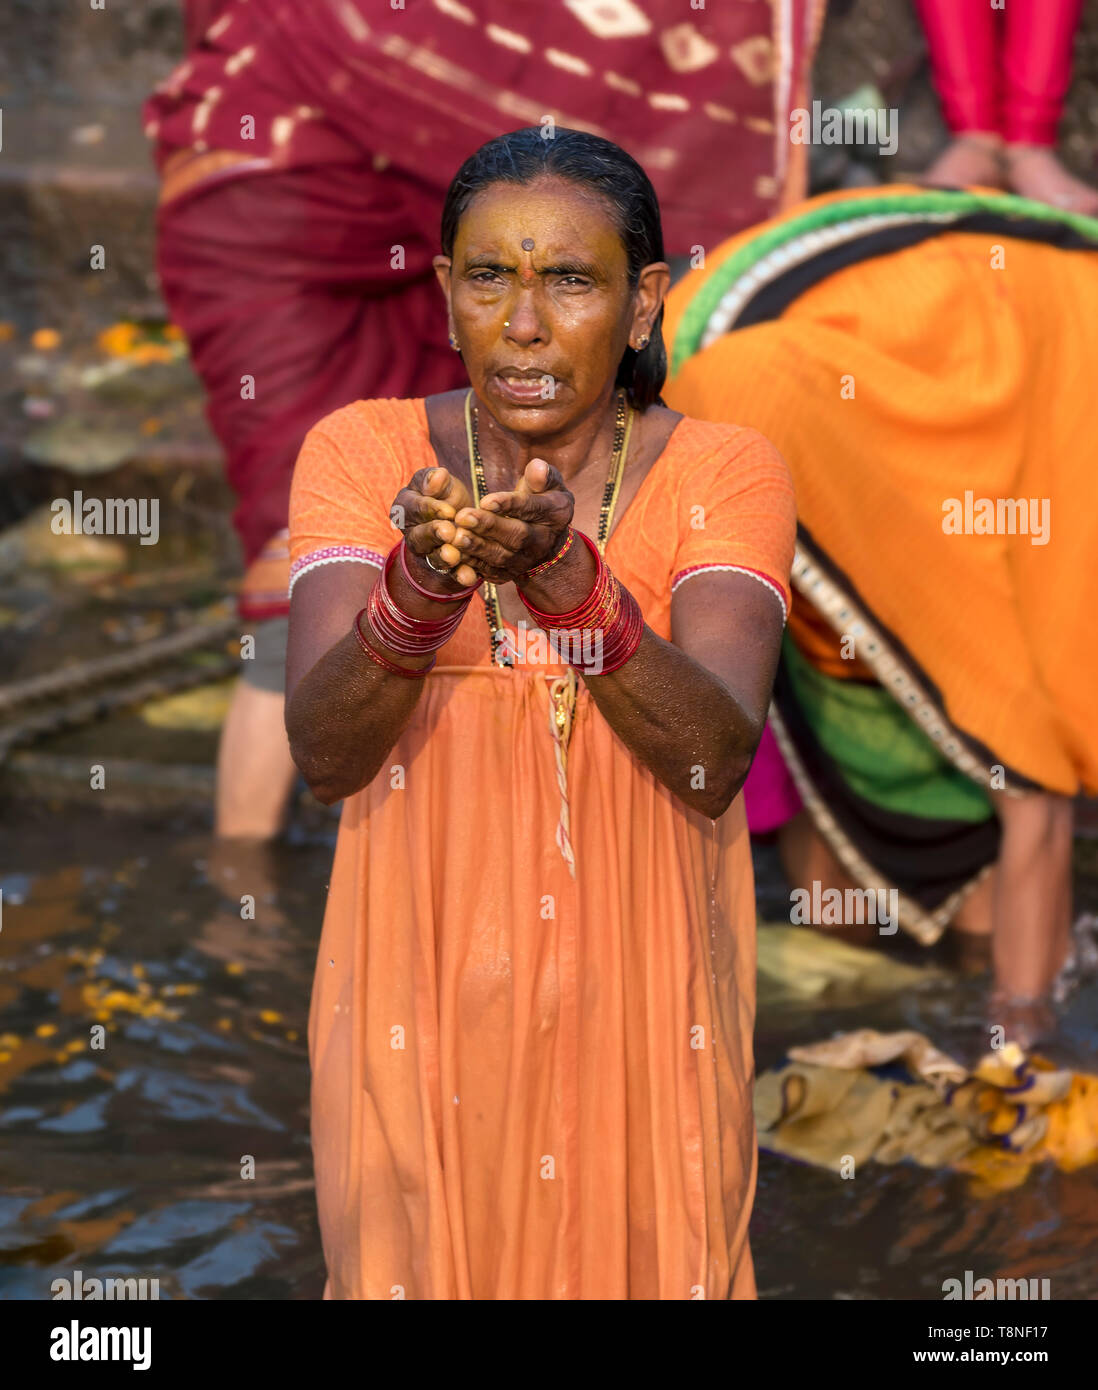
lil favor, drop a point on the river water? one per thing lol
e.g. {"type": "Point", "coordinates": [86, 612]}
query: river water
{"type": "Point", "coordinates": [126, 1159]}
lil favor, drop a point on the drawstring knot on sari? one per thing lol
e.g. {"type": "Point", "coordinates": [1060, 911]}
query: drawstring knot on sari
{"type": "Point", "coordinates": [562, 709]}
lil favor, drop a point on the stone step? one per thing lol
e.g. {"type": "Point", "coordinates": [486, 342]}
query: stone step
{"type": "Point", "coordinates": [75, 165]}
{"type": "Point", "coordinates": [60, 781]}
{"type": "Point", "coordinates": [75, 416]}
{"type": "Point", "coordinates": [51, 216]}
{"type": "Point", "coordinates": [132, 785]}
{"type": "Point", "coordinates": [57, 51]}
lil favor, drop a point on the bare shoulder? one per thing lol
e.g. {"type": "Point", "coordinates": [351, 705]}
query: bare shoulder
{"type": "Point", "coordinates": [657, 425]}
{"type": "Point", "coordinates": [446, 411]}
{"type": "Point", "coordinates": [446, 429]}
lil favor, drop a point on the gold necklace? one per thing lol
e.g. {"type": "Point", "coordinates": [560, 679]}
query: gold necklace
{"type": "Point", "coordinates": [623, 427]}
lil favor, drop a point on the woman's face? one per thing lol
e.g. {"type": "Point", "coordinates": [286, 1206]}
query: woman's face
{"type": "Point", "coordinates": [540, 302]}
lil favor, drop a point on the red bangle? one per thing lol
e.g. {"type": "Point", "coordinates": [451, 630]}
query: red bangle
{"type": "Point", "coordinates": [553, 559]}
{"type": "Point", "coordinates": [383, 661]}
{"type": "Point", "coordinates": [395, 635]}
{"type": "Point", "coordinates": [423, 628]}
{"type": "Point", "coordinates": [401, 545]}
{"type": "Point", "coordinates": [625, 638]}
{"type": "Point", "coordinates": [568, 619]}
{"type": "Point", "coordinates": [609, 611]}
{"type": "Point", "coordinates": [397, 630]}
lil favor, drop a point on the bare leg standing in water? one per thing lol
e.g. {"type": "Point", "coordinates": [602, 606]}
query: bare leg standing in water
{"type": "Point", "coordinates": [1024, 905]}
{"type": "Point", "coordinates": [255, 773]}
{"type": "Point", "coordinates": [1031, 904]}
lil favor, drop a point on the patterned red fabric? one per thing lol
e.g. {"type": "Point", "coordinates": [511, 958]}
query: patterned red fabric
{"type": "Point", "coordinates": [284, 287]}
{"type": "Point", "coordinates": [198, 15]}
{"type": "Point", "coordinates": [700, 96]}
{"type": "Point", "coordinates": [353, 118]}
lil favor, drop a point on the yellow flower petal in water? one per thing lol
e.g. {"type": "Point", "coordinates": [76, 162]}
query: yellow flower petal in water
{"type": "Point", "coordinates": [151, 352]}
{"type": "Point", "coordinates": [994, 1170]}
{"type": "Point", "coordinates": [118, 340]}
{"type": "Point", "coordinates": [1002, 1119]}
{"type": "Point", "coordinates": [1001, 1068]}
{"type": "Point", "coordinates": [1072, 1138]}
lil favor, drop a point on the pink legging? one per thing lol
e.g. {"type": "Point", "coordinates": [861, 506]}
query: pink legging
{"type": "Point", "coordinates": [1002, 70]}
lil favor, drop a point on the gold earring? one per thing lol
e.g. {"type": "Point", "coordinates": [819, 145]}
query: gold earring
{"type": "Point", "coordinates": [642, 343]}
{"type": "Point", "coordinates": [454, 343]}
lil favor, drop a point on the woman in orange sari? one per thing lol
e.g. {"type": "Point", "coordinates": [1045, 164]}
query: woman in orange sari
{"type": "Point", "coordinates": [922, 359]}
{"type": "Point", "coordinates": [532, 1013]}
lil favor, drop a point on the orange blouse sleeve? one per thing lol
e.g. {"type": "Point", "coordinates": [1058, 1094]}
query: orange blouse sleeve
{"type": "Point", "coordinates": [736, 512]}
{"type": "Point", "coordinates": [337, 511]}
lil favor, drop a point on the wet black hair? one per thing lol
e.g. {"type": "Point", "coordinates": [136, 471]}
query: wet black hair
{"type": "Point", "coordinates": [592, 163]}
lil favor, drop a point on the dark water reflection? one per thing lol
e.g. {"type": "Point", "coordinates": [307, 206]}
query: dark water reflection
{"type": "Point", "coordinates": [898, 1232]}
{"type": "Point", "coordinates": [126, 1161]}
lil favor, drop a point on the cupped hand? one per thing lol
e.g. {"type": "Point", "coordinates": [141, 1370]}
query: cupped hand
{"type": "Point", "coordinates": [511, 532]}
{"type": "Point", "coordinates": [425, 510]}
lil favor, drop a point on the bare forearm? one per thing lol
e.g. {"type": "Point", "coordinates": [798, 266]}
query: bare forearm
{"type": "Point", "coordinates": [344, 718]}
{"type": "Point", "coordinates": [348, 710]}
{"type": "Point", "coordinates": [675, 716]}
{"type": "Point", "coordinates": [681, 722]}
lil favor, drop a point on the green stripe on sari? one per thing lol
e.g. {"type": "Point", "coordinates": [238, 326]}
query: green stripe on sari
{"type": "Point", "coordinates": [882, 755]}
{"type": "Point", "coordinates": [944, 205]}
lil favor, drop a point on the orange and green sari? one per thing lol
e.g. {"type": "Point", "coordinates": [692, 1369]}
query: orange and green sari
{"type": "Point", "coordinates": [924, 361]}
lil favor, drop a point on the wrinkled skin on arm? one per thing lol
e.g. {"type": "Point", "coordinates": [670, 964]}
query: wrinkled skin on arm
{"type": "Point", "coordinates": [692, 710]}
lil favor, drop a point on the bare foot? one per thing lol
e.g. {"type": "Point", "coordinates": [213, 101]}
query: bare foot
{"type": "Point", "coordinates": [973, 159]}
{"type": "Point", "coordinates": [1023, 1021]}
{"type": "Point", "coordinates": [1035, 172]}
